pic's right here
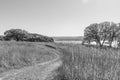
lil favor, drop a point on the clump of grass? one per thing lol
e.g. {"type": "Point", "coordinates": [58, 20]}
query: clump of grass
{"type": "Point", "coordinates": [88, 63]}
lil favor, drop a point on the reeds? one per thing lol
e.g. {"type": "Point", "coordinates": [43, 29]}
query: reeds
{"type": "Point", "coordinates": [88, 63]}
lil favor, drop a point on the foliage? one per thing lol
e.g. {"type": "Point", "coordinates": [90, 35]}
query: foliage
{"type": "Point", "coordinates": [15, 34]}
{"type": "Point", "coordinates": [118, 35]}
{"type": "Point", "coordinates": [38, 38]}
{"type": "Point", "coordinates": [105, 31]}
{"type": "Point", "coordinates": [22, 35]}
{"type": "Point", "coordinates": [91, 33]}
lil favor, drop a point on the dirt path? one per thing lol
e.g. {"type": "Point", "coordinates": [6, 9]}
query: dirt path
{"type": "Point", "coordinates": [37, 72]}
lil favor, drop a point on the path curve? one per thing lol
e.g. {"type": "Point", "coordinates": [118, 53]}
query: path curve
{"type": "Point", "coordinates": [39, 71]}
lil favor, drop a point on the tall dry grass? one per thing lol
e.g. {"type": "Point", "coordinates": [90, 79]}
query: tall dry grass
{"type": "Point", "coordinates": [88, 63]}
{"type": "Point", "coordinates": [16, 55]}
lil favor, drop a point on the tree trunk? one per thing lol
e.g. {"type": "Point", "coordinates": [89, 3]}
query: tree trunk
{"type": "Point", "coordinates": [110, 44]}
{"type": "Point", "coordinates": [98, 42]}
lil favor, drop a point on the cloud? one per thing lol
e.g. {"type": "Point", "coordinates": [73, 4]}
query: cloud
{"type": "Point", "coordinates": [85, 1]}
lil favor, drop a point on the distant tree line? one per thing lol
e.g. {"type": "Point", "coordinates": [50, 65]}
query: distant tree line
{"type": "Point", "coordinates": [22, 35]}
{"type": "Point", "coordinates": [102, 33]}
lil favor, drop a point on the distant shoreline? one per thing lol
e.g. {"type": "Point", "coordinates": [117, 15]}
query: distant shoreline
{"type": "Point", "coordinates": [80, 38]}
{"type": "Point", "coordinates": [75, 42]}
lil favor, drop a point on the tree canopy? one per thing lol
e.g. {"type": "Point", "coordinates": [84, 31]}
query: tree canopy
{"type": "Point", "coordinates": [23, 35]}
{"type": "Point", "coordinates": [101, 32]}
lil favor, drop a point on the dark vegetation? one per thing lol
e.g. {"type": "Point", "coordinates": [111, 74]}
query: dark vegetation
{"type": "Point", "coordinates": [50, 46]}
{"type": "Point", "coordinates": [102, 33]}
{"type": "Point", "coordinates": [22, 35]}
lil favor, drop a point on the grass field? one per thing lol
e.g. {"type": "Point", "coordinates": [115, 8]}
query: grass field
{"type": "Point", "coordinates": [79, 62]}
{"type": "Point", "coordinates": [16, 55]}
{"type": "Point", "coordinates": [88, 63]}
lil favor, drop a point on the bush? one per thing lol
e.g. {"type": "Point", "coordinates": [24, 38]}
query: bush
{"type": "Point", "coordinates": [22, 35]}
{"type": "Point", "coordinates": [38, 38]}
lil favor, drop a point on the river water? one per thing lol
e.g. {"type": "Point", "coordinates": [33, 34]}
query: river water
{"type": "Point", "coordinates": [75, 42]}
{"type": "Point", "coordinates": [114, 44]}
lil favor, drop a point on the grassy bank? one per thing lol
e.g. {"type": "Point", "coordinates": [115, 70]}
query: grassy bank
{"type": "Point", "coordinates": [88, 63]}
{"type": "Point", "coordinates": [16, 55]}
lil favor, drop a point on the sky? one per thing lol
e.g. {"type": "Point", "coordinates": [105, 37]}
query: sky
{"type": "Point", "coordinates": [56, 17]}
